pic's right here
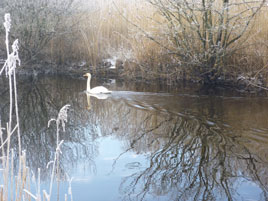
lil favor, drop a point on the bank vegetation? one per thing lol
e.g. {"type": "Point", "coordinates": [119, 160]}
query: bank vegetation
{"type": "Point", "coordinates": [204, 41]}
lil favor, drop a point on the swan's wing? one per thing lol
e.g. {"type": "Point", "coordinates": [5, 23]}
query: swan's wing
{"type": "Point", "coordinates": [100, 90]}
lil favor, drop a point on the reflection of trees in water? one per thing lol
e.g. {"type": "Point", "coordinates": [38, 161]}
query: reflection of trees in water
{"type": "Point", "coordinates": [39, 101]}
{"type": "Point", "coordinates": [190, 157]}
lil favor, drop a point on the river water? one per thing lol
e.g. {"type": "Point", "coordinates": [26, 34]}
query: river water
{"type": "Point", "coordinates": [145, 142]}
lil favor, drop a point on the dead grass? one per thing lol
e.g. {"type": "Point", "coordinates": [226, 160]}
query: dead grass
{"type": "Point", "coordinates": [251, 59]}
{"type": "Point", "coordinates": [136, 34]}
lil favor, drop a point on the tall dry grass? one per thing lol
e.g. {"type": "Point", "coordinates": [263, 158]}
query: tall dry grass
{"type": "Point", "coordinates": [139, 36]}
{"type": "Point", "coordinates": [109, 29]}
{"type": "Point", "coordinates": [251, 60]}
{"type": "Point", "coordinates": [16, 183]}
{"type": "Point", "coordinates": [98, 33]}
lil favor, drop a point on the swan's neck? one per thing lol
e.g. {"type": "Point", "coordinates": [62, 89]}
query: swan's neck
{"type": "Point", "coordinates": [88, 84]}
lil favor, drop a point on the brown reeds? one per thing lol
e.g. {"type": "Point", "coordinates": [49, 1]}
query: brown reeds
{"type": "Point", "coordinates": [149, 41]}
{"type": "Point", "coordinates": [153, 47]}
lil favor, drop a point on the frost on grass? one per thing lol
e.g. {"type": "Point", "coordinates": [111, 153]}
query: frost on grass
{"type": "Point", "coordinates": [7, 23]}
{"type": "Point", "coordinates": [13, 57]}
{"type": "Point", "coordinates": [62, 117]}
{"type": "Point", "coordinates": [8, 177]}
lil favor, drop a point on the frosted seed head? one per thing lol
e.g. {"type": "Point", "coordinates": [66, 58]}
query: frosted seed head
{"type": "Point", "coordinates": [62, 116]}
{"type": "Point", "coordinates": [7, 23]}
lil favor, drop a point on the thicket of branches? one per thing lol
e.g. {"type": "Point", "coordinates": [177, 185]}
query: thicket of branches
{"type": "Point", "coordinates": [36, 22]}
{"type": "Point", "coordinates": [202, 34]}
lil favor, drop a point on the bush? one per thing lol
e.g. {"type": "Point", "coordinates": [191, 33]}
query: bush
{"type": "Point", "coordinates": [36, 22]}
{"type": "Point", "coordinates": [203, 34]}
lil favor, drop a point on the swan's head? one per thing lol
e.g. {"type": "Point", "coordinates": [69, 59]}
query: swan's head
{"type": "Point", "coordinates": [87, 75]}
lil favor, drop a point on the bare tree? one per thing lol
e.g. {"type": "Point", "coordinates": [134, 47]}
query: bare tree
{"type": "Point", "coordinates": [36, 22]}
{"type": "Point", "coordinates": [203, 33]}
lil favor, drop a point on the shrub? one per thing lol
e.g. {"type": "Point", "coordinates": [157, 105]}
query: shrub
{"type": "Point", "coordinates": [36, 22]}
{"type": "Point", "coordinates": [203, 34]}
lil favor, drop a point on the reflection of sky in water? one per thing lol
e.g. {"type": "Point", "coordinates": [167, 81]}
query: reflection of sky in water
{"type": "Point", "coordinates": [104, 184]}
{"type": "Point", "coordinates": [249, 190]}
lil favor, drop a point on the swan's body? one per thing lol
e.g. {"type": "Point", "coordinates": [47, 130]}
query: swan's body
{"type": "Point", "coordinates": [99, 90]}
{"type": "Point", "coordinates": [95, 90]}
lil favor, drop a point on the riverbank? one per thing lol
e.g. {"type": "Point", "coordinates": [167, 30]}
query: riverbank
{"type": "Point", "coordinates": [133, 41]}
{"type": "Point", "coordinates": [247, 85]}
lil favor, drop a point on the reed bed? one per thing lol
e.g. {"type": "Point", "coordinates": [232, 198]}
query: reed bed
{"type": "Point", "coordinates": [146, 44]}
{"type": "Point", "coordinates": [18, 181]}
{"type": "Point", "coordinates": [109, 29]}
{"type": "Point", "coordinates": [139, 36]}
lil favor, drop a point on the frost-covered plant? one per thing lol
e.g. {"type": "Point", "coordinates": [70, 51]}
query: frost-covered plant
{"type": "Point", "coordinates": [61, 120]}
{"type": "Point", "coordinates": [7, 159]}
{"type": "Point", "coordinates": [11, 63]}
{"type": "Point", "coordinates": [37, 22]}
{"type": "Point", "coordinates": [203, 33]}
{"type": "Point", "coordinates": [13, 57]}
{"type": "Point", "coordinates": [19, 181]}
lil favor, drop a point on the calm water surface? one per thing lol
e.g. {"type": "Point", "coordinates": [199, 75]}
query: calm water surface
{"type": "Point", "coordinates": [146, 142]}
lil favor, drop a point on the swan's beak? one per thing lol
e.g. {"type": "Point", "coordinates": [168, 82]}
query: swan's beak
{"type": "Point", "coordinates": [85, 75]}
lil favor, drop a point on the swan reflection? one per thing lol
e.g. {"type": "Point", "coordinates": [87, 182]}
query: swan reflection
{"type": "Point", "coordinates": [97, 96]}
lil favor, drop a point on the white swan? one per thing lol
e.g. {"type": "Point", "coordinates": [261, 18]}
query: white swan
{"type": "Point", "coordinates": [95, 90]}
